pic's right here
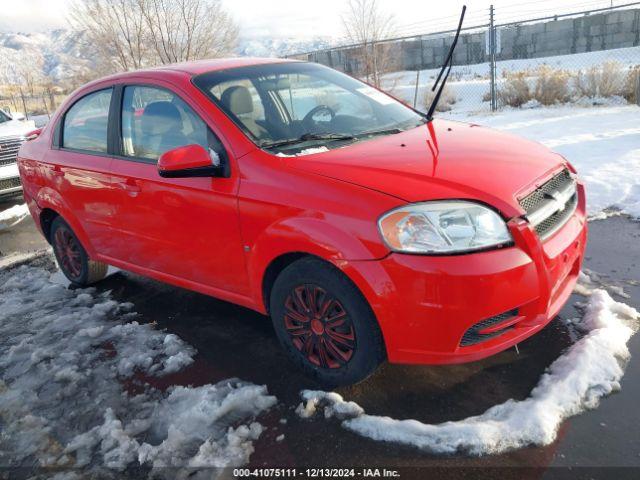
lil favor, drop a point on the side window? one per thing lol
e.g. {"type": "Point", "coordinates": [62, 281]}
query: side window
{"type": "Point", "coordinates": [155, 121]}
{"type": "Point", "coordinates": [85, 123]}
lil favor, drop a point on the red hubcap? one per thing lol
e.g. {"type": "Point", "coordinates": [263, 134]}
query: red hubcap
{"type": "Point", "coordinates": [68, 252]}
{"type": "Point", "coordinates": [319, 327]}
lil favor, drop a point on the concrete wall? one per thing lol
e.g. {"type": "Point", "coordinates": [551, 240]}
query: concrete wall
{"type": "Point", "coordinates": [603, 31]}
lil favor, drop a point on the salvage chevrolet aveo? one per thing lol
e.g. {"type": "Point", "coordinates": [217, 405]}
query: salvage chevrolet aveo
{"type": "Point", "coordinates": [366, 230]}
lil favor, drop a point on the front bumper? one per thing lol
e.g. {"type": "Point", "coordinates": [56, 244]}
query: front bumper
{"type": "Point", "coordinates": [425, 304]}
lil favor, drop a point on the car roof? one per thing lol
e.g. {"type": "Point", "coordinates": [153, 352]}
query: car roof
{"type": "Point", "coordinates": [198, 67]}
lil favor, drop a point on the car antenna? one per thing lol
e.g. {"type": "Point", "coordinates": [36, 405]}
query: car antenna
{"type": "Point", "coordinates": [448, 62]}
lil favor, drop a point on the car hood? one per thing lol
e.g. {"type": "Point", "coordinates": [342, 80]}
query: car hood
{"type": "Point", "coordinates": [442, 159]}
{"type": "Point", "coordinates": [16, 127]}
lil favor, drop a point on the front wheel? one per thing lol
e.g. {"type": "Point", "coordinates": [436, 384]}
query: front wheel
{"type": "Point", "coordinates": [72, 257]}
{"type": "Point", "coordinates": [325, 324]}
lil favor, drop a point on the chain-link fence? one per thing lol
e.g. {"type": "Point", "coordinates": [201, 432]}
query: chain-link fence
{"type": "Point", "coordinates": [588, 56]}
{"type": "Point", "coordinates": [37, 105]}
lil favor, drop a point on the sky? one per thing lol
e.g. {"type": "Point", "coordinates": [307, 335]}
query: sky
{"type": "Point", "coordinates": [304, 19]}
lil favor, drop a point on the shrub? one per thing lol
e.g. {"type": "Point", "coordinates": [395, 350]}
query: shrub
{"type": "Point", "coordinates": [605, 80]}
{"type": "Point", "coordinates": [515, 90]}
{"type": "Point", "coordinates": [551, 85]}
{"type": "Point", "coordinates": [631, 85]}
{"type": "Point", "coordinates": [447, 99]}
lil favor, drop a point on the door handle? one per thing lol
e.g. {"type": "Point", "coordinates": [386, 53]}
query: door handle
{"type": "Point", "coordinates": [131, 187]}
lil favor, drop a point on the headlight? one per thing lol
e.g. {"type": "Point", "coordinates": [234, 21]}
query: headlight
{"type": "Point", "coordinates": [443, 227]}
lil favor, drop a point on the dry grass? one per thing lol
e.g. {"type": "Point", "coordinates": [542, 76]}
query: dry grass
{"type": "Point", "coordinates": [42, 101]}
{"type": "Point", "coordinates": [515, 90]}
{"type": "Point", "coordinates": [631, 89]}
{"type": "Point", "coordinates": [447, 99]}
{"type": "Point", "coordinates": [605, 80]}
{"type": "Point", "coordinates": [551, 85]}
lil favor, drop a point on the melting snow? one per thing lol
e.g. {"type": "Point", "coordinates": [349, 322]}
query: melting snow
{"type": "Point", "coordinates": [306, 151]}
{"type": "Point", "coordinates": [590, 369]}
{"type": "Point", "coordinates": [12, 216]}
{"type": "Point", "coordinates": [64, 358]}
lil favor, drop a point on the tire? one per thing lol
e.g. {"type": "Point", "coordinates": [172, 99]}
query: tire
{"type": "Point", "coordinates": [324, 324]}
{"type": "Point", "coordinates": [72, 257]}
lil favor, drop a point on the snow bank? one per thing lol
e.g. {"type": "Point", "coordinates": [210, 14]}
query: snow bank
{"type": "Point", "coordinates": [65, 359]}
{"type": "Point", "coordinates": [20, 257]}
{"type": "Point", "coordinates": [590, 369]}
{"type": "Point", "coordinates": [12, 216]}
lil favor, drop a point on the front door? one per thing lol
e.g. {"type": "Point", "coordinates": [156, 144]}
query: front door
{"type": "Point", "coordinates": [187, 228]}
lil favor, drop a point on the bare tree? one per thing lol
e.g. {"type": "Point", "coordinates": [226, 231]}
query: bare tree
{"type": "Point", "coordinates": [132, 34]}
{"type": "Point", "coordinates": [183, 30]}
{"type": "Point", "coordinates": [114, 30]}
{"type": "Point", "coordinates": [366, 25]}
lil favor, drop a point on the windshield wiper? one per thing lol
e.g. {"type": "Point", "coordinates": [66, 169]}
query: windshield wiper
{"type": "Point", "coordinates": [386, 131]}
{"type": "Point", "coordinates": [307, 137]}
{"type": "Point", "coordinates": [448, 62]}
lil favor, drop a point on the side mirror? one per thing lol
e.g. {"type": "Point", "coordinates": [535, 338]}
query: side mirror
{"type": "Point", "coordinates": [188, 161]}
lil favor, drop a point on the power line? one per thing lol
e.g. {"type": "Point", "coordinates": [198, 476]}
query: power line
{"type": "Point", "coordinates": [542, 11]}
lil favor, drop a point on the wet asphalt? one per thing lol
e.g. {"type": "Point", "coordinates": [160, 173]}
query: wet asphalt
{"type": "Point", "coordinates": [235, 342]}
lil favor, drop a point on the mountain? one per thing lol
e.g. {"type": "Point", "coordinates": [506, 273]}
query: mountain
{"type": "Point", "coordinates": [56, 53]}
{"type": "Point", "coordinates": [281, 47]}
{"type": "Point", "coordinates": [59, 54]}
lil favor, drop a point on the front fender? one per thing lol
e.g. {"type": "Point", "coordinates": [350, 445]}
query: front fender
{"type": "Point", "coordinates": [314, 236]}
{"type": "Point", "coordinates": [48, 198]}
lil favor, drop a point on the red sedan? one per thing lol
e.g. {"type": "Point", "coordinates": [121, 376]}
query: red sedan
{"type": "Point", "coordinates": [366, 230]}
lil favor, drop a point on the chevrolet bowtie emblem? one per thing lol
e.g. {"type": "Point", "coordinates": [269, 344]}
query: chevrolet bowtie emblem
{"type": "Point", "coordinates": [557, 198]}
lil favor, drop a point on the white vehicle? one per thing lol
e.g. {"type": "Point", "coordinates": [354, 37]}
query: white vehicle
{"type": "Point", "coordinates": [13, 131]}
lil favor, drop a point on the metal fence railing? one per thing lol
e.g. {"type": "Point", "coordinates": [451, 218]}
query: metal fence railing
{"type": "Point", "coordinates": [590, 56]}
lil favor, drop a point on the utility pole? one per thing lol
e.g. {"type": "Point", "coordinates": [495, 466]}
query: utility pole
{"type": "Point", "coordinates": [492, 59]}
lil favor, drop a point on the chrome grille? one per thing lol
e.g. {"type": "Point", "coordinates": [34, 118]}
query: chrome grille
{"type": "Point", "coordinates": [9, 149]}
{"type": "Point", "coordinates": [473, 335]}
{"type": "Point", "coordinates": [550, 206]}
{"type": "Point", "coordinates": [7, 183]}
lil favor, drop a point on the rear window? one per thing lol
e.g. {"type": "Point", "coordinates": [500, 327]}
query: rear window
{"type": "Point", "coordinates": [86, 123]}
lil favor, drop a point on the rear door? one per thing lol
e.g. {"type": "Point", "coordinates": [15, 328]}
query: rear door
{"type": "Point", "coordinates": [78, 166]}
{"type": "Point", "coordinates": [187, 228]}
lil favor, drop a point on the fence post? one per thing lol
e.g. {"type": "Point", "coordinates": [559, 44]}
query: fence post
{"type": "Point", "coordinates": [24, 104]}
{"type": "Point", "coordinates": [638, 86]}
{"type": "Point", "coordinates": [492, 59]}
{"type": "Point", "coordinates": [415, 94]}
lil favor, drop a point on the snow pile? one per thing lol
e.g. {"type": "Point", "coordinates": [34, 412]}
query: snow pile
{"type": "Point", "coordinates": [20, 257]}
{"type": "Point", "coordinates": [590, 369]}
{"type": "Point", "coordinates": [306, 151]}
{"type": "Point", "coordinates": [12, 216]}
{"type": "Point", "coordinates": [69, 360]}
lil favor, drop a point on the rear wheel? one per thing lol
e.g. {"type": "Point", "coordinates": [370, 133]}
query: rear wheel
{"type": "Point", "coordinates": [72, 257]}
{"type": "Point", "coordinates": [325, 324]}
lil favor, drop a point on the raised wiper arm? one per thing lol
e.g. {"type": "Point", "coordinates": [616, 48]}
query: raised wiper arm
{"type": "Point", "coordinates": [306, 137]}
{"type": "Point", "coordinates": [448, 62]}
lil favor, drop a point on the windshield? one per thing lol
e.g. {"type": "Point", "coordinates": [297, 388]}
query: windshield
{"type": "Point", "coordinates": [4, 117]}
{"type": "Point", "coordinates": [294, 106]}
